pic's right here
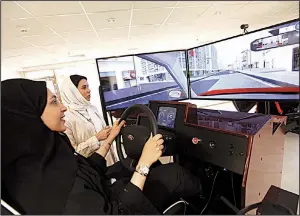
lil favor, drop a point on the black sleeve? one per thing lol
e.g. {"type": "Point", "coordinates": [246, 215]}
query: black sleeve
{"type": "Point", "coordinates": [86, 202]}
{"type": "Point", "coordinates": [130, 195]}
{"type": "Point", "coordinates": [90, 202]}
{"type": "Point", "coordinates": [133, 198]}
{"type": "Point", "coordinates": [98, 163]}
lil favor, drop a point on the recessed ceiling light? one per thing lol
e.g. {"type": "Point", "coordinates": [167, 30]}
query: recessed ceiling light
{"type": "Point", "coordinates": [217, 13]}
{"type": "Point", "coordinates": [73, 55]}
{"type": "Point", "coordinates": [111, 20]}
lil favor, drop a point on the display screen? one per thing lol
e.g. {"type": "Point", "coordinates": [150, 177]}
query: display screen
{"type": "Point", "coordinates": [166, 116]}
{"type": "Point", "coordinates": [137, 79]}
{"type": "Point", "coordinates": [260, 65]}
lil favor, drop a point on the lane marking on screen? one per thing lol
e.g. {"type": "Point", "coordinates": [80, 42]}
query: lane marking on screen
{"type": "Point", "coordinates": [261, 81]}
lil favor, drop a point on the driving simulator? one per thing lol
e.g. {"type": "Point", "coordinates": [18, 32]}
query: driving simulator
{"type": "Point", "coordinates": [238, 155]}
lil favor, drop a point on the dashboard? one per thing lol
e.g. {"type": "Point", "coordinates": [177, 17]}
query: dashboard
{"type": "Point", "coordinates": [179, 124]}
{"type": "Point", "coordinates": [204, 141]}
{"type": "Point", "coordinates": [219, 138]}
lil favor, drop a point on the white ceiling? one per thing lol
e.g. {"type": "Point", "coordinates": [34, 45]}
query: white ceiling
{"type": "Point", "coordinates": [54, 30]}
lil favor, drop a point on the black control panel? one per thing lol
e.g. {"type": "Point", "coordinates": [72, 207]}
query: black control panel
{"type": "Point", "coordinates": [226, 150]}
{"type": "Point", "coordinates": [222, 149]}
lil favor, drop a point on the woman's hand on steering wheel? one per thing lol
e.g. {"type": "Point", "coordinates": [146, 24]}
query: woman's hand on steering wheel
{"type": "Point", "coordinates": [115, 129]}
{"type": "Point", "coordinates": [152, 150]}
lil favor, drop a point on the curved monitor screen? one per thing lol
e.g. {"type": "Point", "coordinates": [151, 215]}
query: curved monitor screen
{"type": "Point", "coordinates": [260, 65]}
{"type": "Point", "coordinates": [137, 79]}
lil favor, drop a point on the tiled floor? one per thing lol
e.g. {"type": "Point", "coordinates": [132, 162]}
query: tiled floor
{"type": "Point", "coordinates": [290, 172]}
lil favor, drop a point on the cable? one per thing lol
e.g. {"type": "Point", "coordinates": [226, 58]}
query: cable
{"type": "Point", "coordinates": [235, 209]}
{"type": "Point", "coordinates": [185, 205]}
{"type": "Point", "coordinates": [249, 208]}
{"type": "Point", "coordinates": [211, 192]}
{"type": "Point", "coordinates": [233, 192]}
{"type": "Point", "coordinates": [176, 203]}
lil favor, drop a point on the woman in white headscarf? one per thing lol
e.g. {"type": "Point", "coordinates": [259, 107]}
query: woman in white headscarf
{"type": "Point", "coordinates": [86, 128]}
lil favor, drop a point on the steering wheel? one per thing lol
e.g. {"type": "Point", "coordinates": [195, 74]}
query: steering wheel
{"type": "Point", "coordinates": [134, 136]}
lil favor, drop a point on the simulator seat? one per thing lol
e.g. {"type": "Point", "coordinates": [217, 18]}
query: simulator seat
{"type": "Point", "coordinates": [177, 208]}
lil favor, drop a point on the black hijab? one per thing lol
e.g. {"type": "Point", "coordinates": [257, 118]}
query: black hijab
{"type": "Point", "coordinates": [38, 165]}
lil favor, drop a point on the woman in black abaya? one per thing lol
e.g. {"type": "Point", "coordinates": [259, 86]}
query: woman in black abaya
{"type": "Point", "coordinates": [41, 173]}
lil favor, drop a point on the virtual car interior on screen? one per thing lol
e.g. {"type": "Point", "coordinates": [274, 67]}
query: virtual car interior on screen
{"type": "Point", "coordinates": [138, 79]}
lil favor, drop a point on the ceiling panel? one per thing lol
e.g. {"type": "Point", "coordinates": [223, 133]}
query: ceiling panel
{"type": "Point", "coordinates": [271, 20]}
{"type": "Point", "coordinates": [231, 2]}
{"type": "Point", "coordinates": [221, 9]}
{"type": "Point", "coordinates": [217, 23]}
{"type": "Point", "coordinates": [13, 28]}
{"type": "Point", "coordinates": [80, 37]}
{"type": "Point", "coordinates": [44, 40]}
{"type": "Point", "coordinates": [10, 10]}
{"type": "Point", "coordinates": [172, 28]}
{"type": "Point", "coordinates": [138, 42]}
{"type": "Point", "coordinates": [64, 49]}
{"type": "Point", "coordinates": [153, 4]}
{"type": "Point", "coordinates": [194, 3]}
{"type": "Point", "coordinates": [181, 30]}
{"type": "Point", "coordinates": [47, 8]}
{"type": "Point", "coordinates": [22, 61]}
{"type": "Point", "coordinates": [212, 35]}
{"type": "Point", "coordinates": [113, 33]}
{"type": "Point", "coordinates": [98, 6]}
{"type": "Point", "coordinates": [142, 38]}
{"type": "Point", "coordinates": [186, 14]}
{"type": "Point", "coordinates": [99, 20]}
{"type": "Point", "coordinates": [143, 30]}
{"type": "Point", "coordinates": [67, 23]}
{"type": "Point", "coordinates": [294, 11]}
{"type": "Point", "coordinates": [21, 51]}
{"type": "Point", "coordinates": [28, 61]}
{"type": "Point", "coordinates": [263, 10]}
{"type": "Point", "coordinates": [12, 43]}
{"type": "Point", "coordinates": [151, 16]}
{"type": "Point", "coordinates": [59, 49]}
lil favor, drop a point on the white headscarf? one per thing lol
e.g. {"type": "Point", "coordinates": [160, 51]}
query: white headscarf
{"type": "Point", "coordinates": [74, 100]}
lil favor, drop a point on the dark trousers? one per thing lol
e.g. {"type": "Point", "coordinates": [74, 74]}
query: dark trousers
{"type": "Point", "coordinates": [165, 183]}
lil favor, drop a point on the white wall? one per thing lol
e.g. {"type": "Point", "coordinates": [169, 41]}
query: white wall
{"type": "Point", "coordinates": [10, 74]}
{"type": "Point", "coordinates": [87, 69]}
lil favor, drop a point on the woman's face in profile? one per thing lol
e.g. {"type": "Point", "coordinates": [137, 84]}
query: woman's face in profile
{"type": "Point", "coordinates": [54, 113]}
{"type": "Point", "coordinates": [83, 88]}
